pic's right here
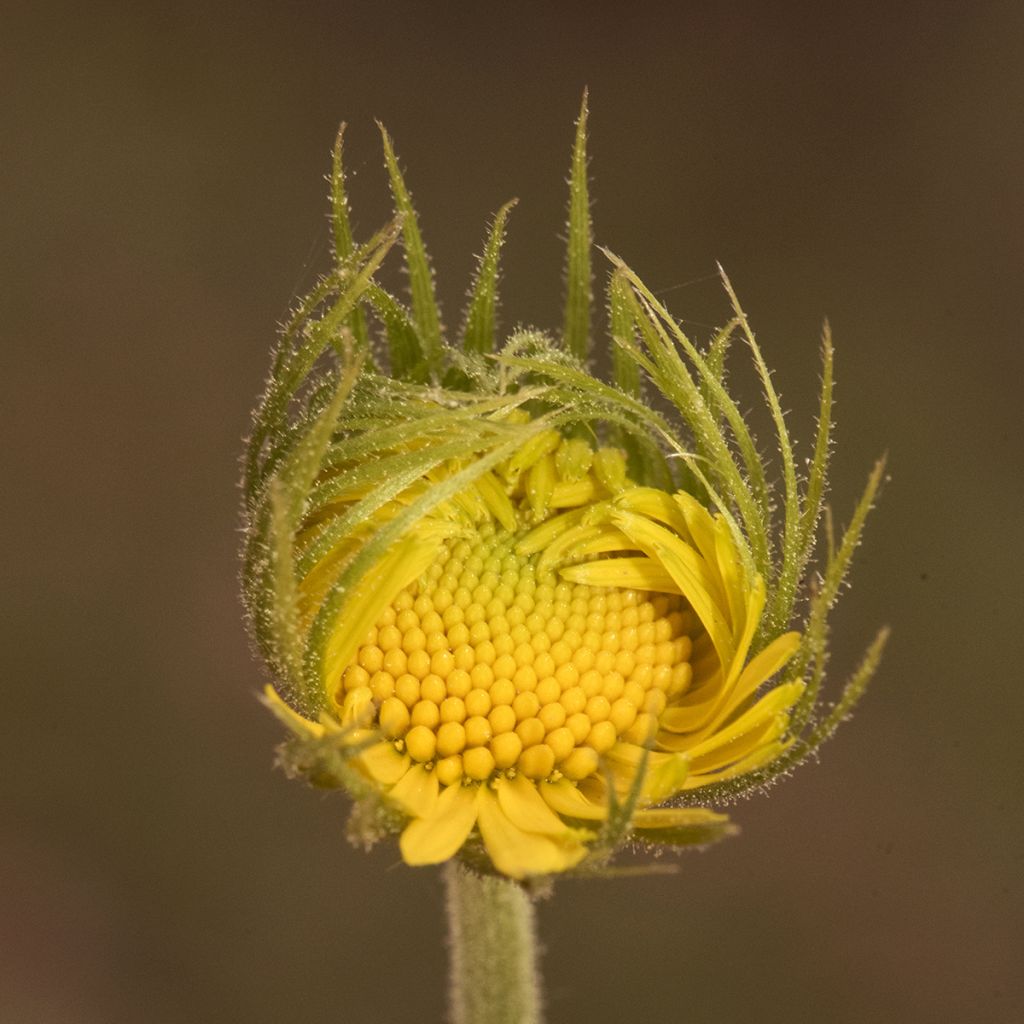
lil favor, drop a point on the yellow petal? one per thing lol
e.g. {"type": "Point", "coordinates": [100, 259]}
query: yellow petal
{"type": "Point", "coordinates": [535, 448]}
{"type": "Point", "coordinates": [755, 599]}
{"type": "Point", "coordinates": [416, 792]}
{"type": "Point", "coordinates": [517, 853]}
{"type": "Point", "coordinates": [318, 581]}
{"type": "Point", "coordinates": [292, 719]}
{"type": "Point", "coordinates": [704, 529]}
{"type": "Point", "coordinates": [770, 705]}
{"type": "Point", "coordinates": [699, 715]}
{"type": "Point", "coordinates": [566, 799]}
{"type": "Point", "coordinates": [402, 564]}
{"type": "Point", "coordinates": [383, 763]}
{"type": "Point", "coordinates": [577, 541]}
{"type": "Point", "coordinates": [439, 837]}
{"type": "Point", "coordinates": [497, 501]}
{"type": "Point", "coordinates": [699, 523]}
{"type": "Point", "coordinates": [627, 573]}
{"type": "Point", "coordinates": [655, 504]}
{"type": "Point", "coordinates": [766, 730]}
{"type": "Point", "coordinates": [572, 494]}
{"type": "Point", "coordinates": [689, 571]}
{"type": "Point", "coordinates": [730, 571]}
{"type": "Point", "coordinates": [605, 538]}
{"type": "Point", "coordinates": [470, 502]}
{"type": "Point", "coordinates": [358, 709]}
{"type": "Point", "coordinates": [760, 757]}
{"type": "Point", "coordinates": [574, 459]}
{"type": "Point", "coordinates": [759, 669]}
{"type": "Point", "coordinates": [664, 774]}
{"type": "Point", "coordinates": [610, 469]}
{"type": "Point", "coordinates": [525, 807]}
{"type": "Point", "coordinates": [691, 712]}
{"type": "Point", "coordinates": [540, 482]}
{"type": "Point", "coordinates": [541, 536]}
{"type": "Point", "coordinates": [673, 817]}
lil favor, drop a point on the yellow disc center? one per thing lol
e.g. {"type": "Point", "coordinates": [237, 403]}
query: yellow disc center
{"type": "Point", "coordinates": [487, 665]}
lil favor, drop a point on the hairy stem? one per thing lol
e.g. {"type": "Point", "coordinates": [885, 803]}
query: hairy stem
{"type": "Point", "coordinates": [492, 939]}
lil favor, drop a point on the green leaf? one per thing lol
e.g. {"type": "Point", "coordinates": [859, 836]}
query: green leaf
{"type": "Point", "coordinates": [715, 358]}
{"type": "Point", "coordinates": [723, 405]}
{"type": "Point", "coordinates": [301, 469]}
{"type": "Point", "coordinates": [421, 277]}
{"type": "Point", "coordinates": [408, 426]}
{"type": "Point", "coordinates": [700, 834]}
{"type": "Point", "coordinates": [626, 372]}
{"type": "Point", "coordinates": [620, 812]}
{"type": "Point", "coordinates": [405, 346]}
{"type": "Point", "coordinates": [284, 602]}
{"type": "Point", "coordinates": [343, 244]}
{"type": "Point", "coordinates": [813, 650]}
{"type": "Point", "coordinates": [813, 498]}
{"type": "Point", "coordinates": [302, 346]}
{"type": "Point", "coordinates": [255, 474]}
{"type": "Point", "coordinates": [822, 449]}
{"type": "Point", "coordinates": [326, 330]}
{"type": "Point", "coordinates": [622, 332]}
{"type": "Point", "coordinates": [836, 571]}
{"type": "Point", "coordinates": [777, 614]}
{"type": "Point", "coordinates": [748, 494]}
{"type": "Point", "coordinates": [478, 335]}
{"type": "Point", "coordinates": [851, 692]}
{"type": "Point", "coordinates": [577, 272]}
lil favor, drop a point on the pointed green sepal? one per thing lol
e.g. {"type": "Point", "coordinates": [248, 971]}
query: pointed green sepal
{"type": "Point", "coordinates": [342, 231]}
{"type": "Point", "coordinates": [479, 332]}
{"type": "Point", "coordinates": [577, 270]}
{"type": "Point", "coordinates": [421, 277]}
{"type": "Point", "coordinates": [684, 826]}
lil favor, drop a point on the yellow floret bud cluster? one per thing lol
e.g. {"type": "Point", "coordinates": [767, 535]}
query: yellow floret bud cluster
{"type": "Point", "coordinates": [488, 665]}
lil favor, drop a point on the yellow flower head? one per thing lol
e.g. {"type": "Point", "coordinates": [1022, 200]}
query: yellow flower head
{"type": "Point", "coordinates": [513, 609]}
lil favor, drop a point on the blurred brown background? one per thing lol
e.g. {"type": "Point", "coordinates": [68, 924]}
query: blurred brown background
{"type": "Point", "coordinates": [163, 204]}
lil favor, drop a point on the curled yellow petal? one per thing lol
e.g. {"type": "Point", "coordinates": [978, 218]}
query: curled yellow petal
{"type": "Point", "coordinates": [759, 669]}
{"type": "Point", "coordinates": [573, 493]}
{"type": "Point", "coordinates": [639, 573]}
{"type": "Point", "coordinates": [688, 570]}
{"type": "Point", "coordinates": [565, 798]}
{"type": "Point", "coordinates": [383, 763]}
{"type": "Point", "coordinates": [525, 807]}
{"type": "Point", "coordinates": [655, 504]}
{"type": "Point", "coordinates": [292, 719]}
{"type": "Point", "coordinates": [439, 837]}
{"type": "Point", "coordinates": [416, 792]}
{"type": "Point", "coordinates": [673, 817]}
{"type": "Point", "coordinates": [497, 500]}
{"type": "Point", "coordinates": [755, 718]}
{"type": "Point", "coordinates": [402, 564]}
{"type": "Point", "coordinates": [664, 773]}
{"type": "Point", "coordinates": [518, 853]}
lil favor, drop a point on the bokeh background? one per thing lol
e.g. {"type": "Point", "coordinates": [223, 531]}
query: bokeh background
{"type": "Point", "coordinates": [162, 206]}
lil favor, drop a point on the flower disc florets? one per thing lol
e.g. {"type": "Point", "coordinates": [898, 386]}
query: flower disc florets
{"type": "Point", "coordinates": [507, 639]}
{"type": "Point", "coordinates": [487, 665]}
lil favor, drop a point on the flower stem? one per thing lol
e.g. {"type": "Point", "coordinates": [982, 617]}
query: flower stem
{"type": "Point", "coordinates": [492, 936]}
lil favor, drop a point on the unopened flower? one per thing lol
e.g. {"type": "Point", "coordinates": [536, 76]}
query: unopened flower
{"type": "Point", "coordinates": [520, 614]}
